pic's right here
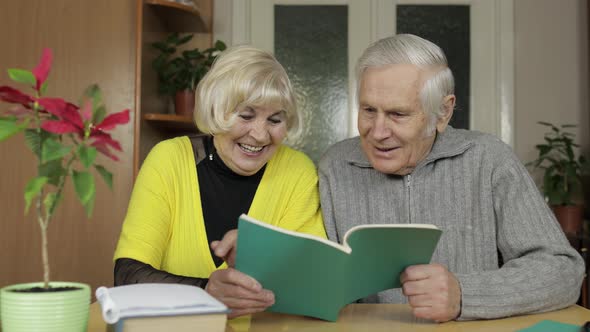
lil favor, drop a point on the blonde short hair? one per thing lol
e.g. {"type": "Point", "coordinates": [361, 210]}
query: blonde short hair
{"type": "Point", "coordinates": [243, 76]}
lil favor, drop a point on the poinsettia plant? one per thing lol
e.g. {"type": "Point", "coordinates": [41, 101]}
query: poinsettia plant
{"type": "Point", "coordinates": [64, 137]}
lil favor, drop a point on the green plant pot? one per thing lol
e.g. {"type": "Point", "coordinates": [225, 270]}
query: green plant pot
{"type": "Point", "coordinates": [63, 311]}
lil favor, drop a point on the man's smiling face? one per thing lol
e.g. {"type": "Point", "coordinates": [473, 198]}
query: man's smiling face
{"type": "Point", "coordinates": [391, 122]}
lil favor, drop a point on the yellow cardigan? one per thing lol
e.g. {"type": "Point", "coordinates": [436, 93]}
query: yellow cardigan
{"type": "Point", "coordinates": [164, 226]}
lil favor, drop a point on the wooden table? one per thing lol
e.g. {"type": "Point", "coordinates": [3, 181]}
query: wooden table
{"type": "Point", "coordinates": [375, 318]}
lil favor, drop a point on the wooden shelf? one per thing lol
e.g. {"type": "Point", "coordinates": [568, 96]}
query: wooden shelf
{"type": "Point", "coordinates": [171, 122]}
{"type": "Point", "coordinates": [178, 17]}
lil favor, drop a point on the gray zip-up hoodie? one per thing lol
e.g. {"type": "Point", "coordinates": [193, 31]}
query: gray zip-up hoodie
{"type": "Point", "coordinates": [473, 187]}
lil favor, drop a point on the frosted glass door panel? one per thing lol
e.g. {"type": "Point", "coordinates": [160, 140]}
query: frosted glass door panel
{"type": "Point", "coordinates": [447, 26]}
{"type": "Point", "coordinates": [312, 44]}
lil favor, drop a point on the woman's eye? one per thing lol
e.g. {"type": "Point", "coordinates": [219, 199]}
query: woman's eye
{"type": "Point", "coordinates": [275, 120]}
{"type": "Point", "coordinates": [246, 116]}
{"type": "Point", "coordinates": [369, 110]}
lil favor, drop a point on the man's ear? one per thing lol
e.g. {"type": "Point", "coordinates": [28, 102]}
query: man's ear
{"type": "Point", "coordinates": [448, 107]}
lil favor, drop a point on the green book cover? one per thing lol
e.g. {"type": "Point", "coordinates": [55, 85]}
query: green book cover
{"type": "Point", "coordinates": [316, 277]}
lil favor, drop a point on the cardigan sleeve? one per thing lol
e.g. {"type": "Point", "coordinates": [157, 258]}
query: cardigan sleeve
{"type": "Point", "coordinates": [541, 271]}
{"type": "Point", "coordinates": [303, 213]}
{"type": "Point", "coordinates": [146, 229]}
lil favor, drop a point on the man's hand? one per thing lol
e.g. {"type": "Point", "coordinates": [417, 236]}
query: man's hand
{"type": "Point", "coordinates": [226, 248]}
{"type": "Point", "coordinates": [240, 292]}
{"type": "Point", "coordinates": [433, 292]}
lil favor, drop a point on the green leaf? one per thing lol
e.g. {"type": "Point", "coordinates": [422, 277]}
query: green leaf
{"type": "Point", "coordinates": [184, 39]}
{"type": "Point", "coordinates": [106, 175]}
{"type": "Point", "coordinates": [9, 127]}
{"type": "Point", "coordinates": [84, 186]}
{"type": "Point", "coordinates": [89, 206]}
{"type": "Point", "coordinates": [52, 150]}
{"type": "Point", "coordinates": [172, 38]}
{"type": "Point", "coordinates": [53, 170]}
{"type": "Point", "coordinates": [220, 45]}
{"type": "Point", "coordinates": [93, 92]}
{"type": "Point", "coordinates": [51, 202]}
{"type": "Point", "coordinates": [99, 114]}
{"type": "Point", "coordinates": [22, 76]}
{"type": "Point", "coordinates": [44, 87]}
{"type": "Point", "coordinates": [87, 155]}
{"type": "Point", "coordinates": [33, 189]}
{"type": "Point", "coordinates": [34, 140]}
{"type": "Point", "coordinates": [160, 46]}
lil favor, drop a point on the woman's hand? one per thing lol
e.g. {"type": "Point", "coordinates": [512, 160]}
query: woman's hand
{"type": "Point", "coordinates": [240, 292]}
{"type": "Point", "coordinates": [226, 248]}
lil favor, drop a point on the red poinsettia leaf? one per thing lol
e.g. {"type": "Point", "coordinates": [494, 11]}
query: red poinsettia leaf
{"type": "Point", "coordinates": [55, 106]}
{"type": "Point", "coordinates": [59, 127]}
{"type": "Point", "coordinates": [42, 70]}
{"type": "Point", "coordinates": [86, 110]}
{"type": "Point", "coordinates": [113, 120]}
{"type": "Point", "coordinates": [18, 111]}
{"type": "Point", "coordinates": [11, 95]}
{"type": "Point", "coordinates": [62, 109]}
{"type": "Point", "coordinates": [101, 137]}
{"type": "Point", "coordinates": [72, 114]}
{"type": "Point", "coordinates": [103, 148]}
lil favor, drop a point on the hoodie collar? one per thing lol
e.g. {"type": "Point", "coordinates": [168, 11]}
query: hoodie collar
{"type": "Point", "coordinates": [450, 143]}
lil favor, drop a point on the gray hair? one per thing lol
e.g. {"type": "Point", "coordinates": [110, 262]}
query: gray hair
{"type": "Point", "coordinates": [411, 49]}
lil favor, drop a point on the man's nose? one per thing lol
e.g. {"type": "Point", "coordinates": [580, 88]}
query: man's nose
{"type": "Point", "coordinates": [380, 129]}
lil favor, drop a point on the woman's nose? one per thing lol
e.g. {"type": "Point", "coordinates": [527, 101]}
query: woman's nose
{"type": "Point", "coordinates": [259, 132]}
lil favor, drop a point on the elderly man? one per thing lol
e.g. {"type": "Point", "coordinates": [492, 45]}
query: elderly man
{"type": "Point", "coordinates": [409, 166]}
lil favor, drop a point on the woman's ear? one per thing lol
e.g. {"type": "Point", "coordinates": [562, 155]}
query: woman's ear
{"type": "Point", "coordinates": [448, 107]}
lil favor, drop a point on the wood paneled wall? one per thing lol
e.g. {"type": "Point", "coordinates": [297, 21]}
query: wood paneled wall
{"type": "Point", "coordinates": [93, 42]}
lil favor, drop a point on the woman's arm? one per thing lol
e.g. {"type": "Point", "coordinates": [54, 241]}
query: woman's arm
{"type": "Point", "coordinates": [130, 271]}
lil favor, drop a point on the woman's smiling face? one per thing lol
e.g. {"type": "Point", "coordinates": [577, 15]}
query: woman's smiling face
{"type": "Point", "coordinates": [252, 140]}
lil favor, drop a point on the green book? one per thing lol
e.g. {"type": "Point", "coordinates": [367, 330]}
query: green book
{"type": "Point", "coordinates": [316, 277]}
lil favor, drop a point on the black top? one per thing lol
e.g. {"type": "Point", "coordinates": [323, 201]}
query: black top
{"type": "Point", "coordinates": [224, 196]}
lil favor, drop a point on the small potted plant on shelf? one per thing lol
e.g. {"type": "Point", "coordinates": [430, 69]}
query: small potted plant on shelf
{"type": "Point", "coordinates": [178, 75]}
{"type": "Point", "coordinates": [65, 138]}
{"type": "Point", "coordinates": [562, 176]}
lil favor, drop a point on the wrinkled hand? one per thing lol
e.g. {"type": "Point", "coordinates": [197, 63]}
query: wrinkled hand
{"type": "Point", "coordinates": [240, 292]}
{"type": "Point", "coordinates": [433, 292]}
{"type": "Point", "coordinates": [226, 248]}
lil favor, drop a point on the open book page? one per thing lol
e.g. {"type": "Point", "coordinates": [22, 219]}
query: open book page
{"type": "Point", "coordinates": [155, 300]}
{"type": "Point", "coordinates": [316, 277]}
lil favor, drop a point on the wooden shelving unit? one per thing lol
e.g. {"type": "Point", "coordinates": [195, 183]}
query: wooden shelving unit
{"type": "Point", "coordinates": [156, 20]}
{"type": "Point", "coordinates": [178, 17]}
{"type": "Point", "coordinates": [171, 122]}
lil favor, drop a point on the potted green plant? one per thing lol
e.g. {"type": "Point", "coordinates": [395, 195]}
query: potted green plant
{"type": "Point", "coordinates": [562, 175]}
{"type": "Point", "coordinates": [179, 74]}
{"type": "Point", "coordinates": [66, 139]}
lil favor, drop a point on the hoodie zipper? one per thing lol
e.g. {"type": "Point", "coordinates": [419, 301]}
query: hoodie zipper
{"type": "Point", "coordinates": [409, 196]}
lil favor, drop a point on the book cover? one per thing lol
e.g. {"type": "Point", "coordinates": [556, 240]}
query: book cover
{"type": "Point", "coordinates": [158, 307]}
{"type": "Point", "coordinates": [316, 277]}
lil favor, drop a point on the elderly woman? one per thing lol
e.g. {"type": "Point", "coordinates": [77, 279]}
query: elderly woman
{"type": "Point", "coordinates": [181, 202]}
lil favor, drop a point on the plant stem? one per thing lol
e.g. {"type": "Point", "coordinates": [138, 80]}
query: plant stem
{"type": "Point", "coordinates": [42, 222]}
{"type": "Point", "coordinates": [44, 253]}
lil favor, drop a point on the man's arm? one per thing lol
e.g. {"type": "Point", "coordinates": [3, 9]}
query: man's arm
{"type": "Point", "coordinates": [541, 271]}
